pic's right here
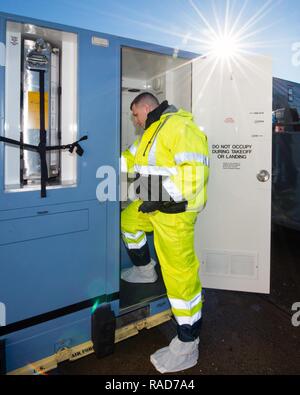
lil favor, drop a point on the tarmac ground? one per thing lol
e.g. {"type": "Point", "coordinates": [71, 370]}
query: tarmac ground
{"type": "Point", "coordinates": [242, 333]}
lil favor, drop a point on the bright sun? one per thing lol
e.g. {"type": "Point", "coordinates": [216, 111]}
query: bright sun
{"type": "Point", "coordinates": [224, 46]}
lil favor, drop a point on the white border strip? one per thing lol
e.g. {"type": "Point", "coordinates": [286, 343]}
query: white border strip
{"type": "Point", "coordinates": [2, 314]}
{"type": "Point", "coordinates": [2, 54]}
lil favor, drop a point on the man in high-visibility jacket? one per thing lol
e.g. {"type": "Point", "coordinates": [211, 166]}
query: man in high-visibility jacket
{"type": "Point", "coordinates": [172, 156]}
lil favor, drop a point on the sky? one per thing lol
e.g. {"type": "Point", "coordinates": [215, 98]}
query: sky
{"type": "Point", "coordinates": [271, 27]}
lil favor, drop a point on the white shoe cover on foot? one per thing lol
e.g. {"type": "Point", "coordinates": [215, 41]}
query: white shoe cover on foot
{"type": "Point", "coordinates": [176, 357]}
{"type": "Point", "coordinates": [140, 274]}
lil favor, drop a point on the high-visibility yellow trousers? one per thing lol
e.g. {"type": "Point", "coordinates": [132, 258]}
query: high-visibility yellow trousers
{"type": "Point", "coordinates": [174, 245]}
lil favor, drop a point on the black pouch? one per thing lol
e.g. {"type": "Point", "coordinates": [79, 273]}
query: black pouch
{"type": "Point", "coordinates": [173, 207]}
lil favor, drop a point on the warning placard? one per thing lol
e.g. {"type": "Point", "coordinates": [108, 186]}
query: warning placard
{"type": "Point", "coordinates": [232, 155]}
{"type": "Point", "coordinates": [232, 151]}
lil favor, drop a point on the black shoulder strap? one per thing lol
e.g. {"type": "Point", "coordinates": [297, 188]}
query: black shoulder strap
{"type": "Point", "coordinates": [43, 143]}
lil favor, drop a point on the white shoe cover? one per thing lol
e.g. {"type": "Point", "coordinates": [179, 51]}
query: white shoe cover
{"type": "Point", "coordinates": [176, 357]}
{"type": "Point", "coordinates": [140, 274]}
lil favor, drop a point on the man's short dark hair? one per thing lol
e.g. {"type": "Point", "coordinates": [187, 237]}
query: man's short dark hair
{"type": "Point", "coordinates": [146, 97]}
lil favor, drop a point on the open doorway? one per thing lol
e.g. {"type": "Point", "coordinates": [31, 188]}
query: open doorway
{"type": "Point", "coordinates": [168, 78]}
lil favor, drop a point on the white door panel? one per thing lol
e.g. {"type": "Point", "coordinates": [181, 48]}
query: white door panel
{"type": "Point", "coordinates": [179, 86]}
{"type": "Point", "coordinates": [234, 106]}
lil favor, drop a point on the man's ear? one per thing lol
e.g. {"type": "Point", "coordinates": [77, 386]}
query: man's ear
{"type": "Point", "coordinates": [148, 108]}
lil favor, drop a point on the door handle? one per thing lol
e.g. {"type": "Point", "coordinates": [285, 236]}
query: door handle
{"type": "Point", "coordinates": [263, 176]}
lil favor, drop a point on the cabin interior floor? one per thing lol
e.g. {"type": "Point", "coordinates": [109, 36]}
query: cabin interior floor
{"type": "Point", "coordinates": [138, 294]}
{"type": "Point", "coordinates": [242, 333]}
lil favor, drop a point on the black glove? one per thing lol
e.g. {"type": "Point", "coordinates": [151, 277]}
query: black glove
{"type": "Point", "coordinates": [149, 207]}
{"type": "Point", "coordinates": [170, 207]}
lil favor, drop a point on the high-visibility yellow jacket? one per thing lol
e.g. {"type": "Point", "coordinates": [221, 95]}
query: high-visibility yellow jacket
{"type": "Point", "coordinates": [175, 148]}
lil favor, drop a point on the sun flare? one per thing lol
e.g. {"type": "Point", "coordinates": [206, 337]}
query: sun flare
{"type": "Point", "coordinates": [224, 46]}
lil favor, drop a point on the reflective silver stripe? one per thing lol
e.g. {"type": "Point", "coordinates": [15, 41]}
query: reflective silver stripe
{"type": "Point", "coordinates": [133, 148]}
{"type": "Point", "coordinates": [185, 305]}
{"type": "Point", "coordinates": [172, 190]}
{"type": "Point", "coordinates": [191, 157]}
{"type": "Point", "coordinates": [188, 320]}
{"type": "Point", "coordinates": [135, 246]}
{"type": "Point", "coordinates": [123, 164]}
{"type": "Point", "coordinates": [133, 236]}
{"type": "Point", "coordinates": [152, 152]}
{"type": "Point", "coordinates": [155, 170]}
